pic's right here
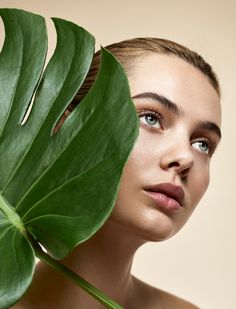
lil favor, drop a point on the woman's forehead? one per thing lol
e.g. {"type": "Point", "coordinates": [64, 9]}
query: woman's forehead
{"type": "Point", "coordinates": [178, 81]}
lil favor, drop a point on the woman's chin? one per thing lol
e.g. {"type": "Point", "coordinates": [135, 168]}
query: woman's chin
{"type": "Point", "coordinates": [149, 227]}
{"type": "Point", "coordinates": [157, 234]}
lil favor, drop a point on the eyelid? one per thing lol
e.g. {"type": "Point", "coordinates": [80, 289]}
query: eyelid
{"type": "Point", "coordinates": [150, 111]}
{"type": "Point", "coordinates": [211, 143]}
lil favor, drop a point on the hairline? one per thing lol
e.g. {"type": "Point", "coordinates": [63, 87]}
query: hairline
{"type": "Point", "coordinates": [128, 51]}
{"type": "Point", "coordinates": [129, 65]}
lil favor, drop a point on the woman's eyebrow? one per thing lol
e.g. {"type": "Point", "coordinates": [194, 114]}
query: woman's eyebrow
{"type": "Point", "coordinates": [174, 108]}
{"type": "Point", "coordinates": [210, 126]}
{"type": "Point", "coordinates": [171, 106]}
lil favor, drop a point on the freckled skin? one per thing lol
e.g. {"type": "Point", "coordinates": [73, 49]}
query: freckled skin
{"type": "Point", "coordinates": [172, 151]}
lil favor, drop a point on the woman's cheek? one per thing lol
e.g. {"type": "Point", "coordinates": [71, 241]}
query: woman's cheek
{"type": "Point", "coordinates": [141, 152]}
{"type": "Point", "coordinates": [201, 180]}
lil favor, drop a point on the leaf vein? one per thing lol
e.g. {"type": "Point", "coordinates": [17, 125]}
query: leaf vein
{"type": "Point", "coordinates": [2, 235]}
{"type": "Point", "coordinates": [62, 185]}
{"type": "Point", "coordinates": [59, 216]}
{"type": "Point", "coordinates": [13, 96]}
{"type": "Point", "coordinates": [26, 153]}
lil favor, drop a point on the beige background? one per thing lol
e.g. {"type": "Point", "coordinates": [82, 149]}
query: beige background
{"type": "Point", "coordinates": [200, 262]}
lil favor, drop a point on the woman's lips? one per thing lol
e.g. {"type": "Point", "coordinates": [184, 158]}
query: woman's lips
{"type": "Point", "coordinates": [166, 195]}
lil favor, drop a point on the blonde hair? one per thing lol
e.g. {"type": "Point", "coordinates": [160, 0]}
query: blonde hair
{"type": "Point", "coordinates": [128, 51]}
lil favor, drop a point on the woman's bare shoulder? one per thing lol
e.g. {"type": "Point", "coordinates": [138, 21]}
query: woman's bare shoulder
{"type": "Point", "coordinates": [153, 298]}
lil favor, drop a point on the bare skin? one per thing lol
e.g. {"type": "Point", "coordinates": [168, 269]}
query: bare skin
{"type": "Point", "coordinates": [174, 148]}
{"type": "Point", "coordinates": [109, 270]}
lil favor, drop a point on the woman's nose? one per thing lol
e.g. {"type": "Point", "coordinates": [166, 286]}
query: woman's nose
{"type": "Point", "coordinates": [178, 157]}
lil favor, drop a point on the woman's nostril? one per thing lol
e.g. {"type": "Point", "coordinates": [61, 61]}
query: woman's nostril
{"type": "Point", "coordinates": [174, 165]}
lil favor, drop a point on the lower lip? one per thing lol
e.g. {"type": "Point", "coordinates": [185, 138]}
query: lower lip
{"type": "Point", "coordinates": [164, 202]}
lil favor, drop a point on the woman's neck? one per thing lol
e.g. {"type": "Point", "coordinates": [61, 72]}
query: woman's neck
{"type": "Point", "coordinates": [104, 260]}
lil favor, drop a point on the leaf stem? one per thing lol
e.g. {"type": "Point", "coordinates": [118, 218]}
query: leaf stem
{"type": "Point", "coordinates": [85, 285]}
{"type": "Point", "coordinates": [11, 214]}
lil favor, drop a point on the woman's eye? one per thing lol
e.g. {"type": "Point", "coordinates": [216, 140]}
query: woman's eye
{"type": "Point", "coordinates": [150, 119]}
{"type": "Point", "coordinates": [202, 146]}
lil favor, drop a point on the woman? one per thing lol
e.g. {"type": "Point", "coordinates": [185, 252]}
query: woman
{"type": "Point", "coordinates": [177, 98]}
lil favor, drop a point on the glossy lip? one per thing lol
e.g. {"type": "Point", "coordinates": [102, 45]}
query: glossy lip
{"type": "Point", "coordinates": [167, 195]}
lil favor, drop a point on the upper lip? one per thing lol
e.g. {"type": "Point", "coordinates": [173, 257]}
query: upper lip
{"type": "Point", "coordinates": [170, 190]}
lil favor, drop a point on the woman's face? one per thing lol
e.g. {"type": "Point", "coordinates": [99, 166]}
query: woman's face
{"type": "Point", "coordinates": [167, 172]}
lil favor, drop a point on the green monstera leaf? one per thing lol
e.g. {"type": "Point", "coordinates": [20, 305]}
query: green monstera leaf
{"type": "Point", "coordinates": [57, 189]}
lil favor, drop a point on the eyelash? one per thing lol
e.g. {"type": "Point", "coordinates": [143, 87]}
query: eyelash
{"type": "Point", "coordinates": [152, 113]}
{"type": "Point", "coordinates": [210, 143]}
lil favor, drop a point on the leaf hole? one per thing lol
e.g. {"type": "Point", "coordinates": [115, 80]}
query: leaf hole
{"type": "Point", "coordinates": [2, 37]}
{"type": "Point", "coordinates": [60, 122]}
{"type": "Point", "coordinates": [28, 110]}
{"type": "Point", "coordinates": [52, 39]}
